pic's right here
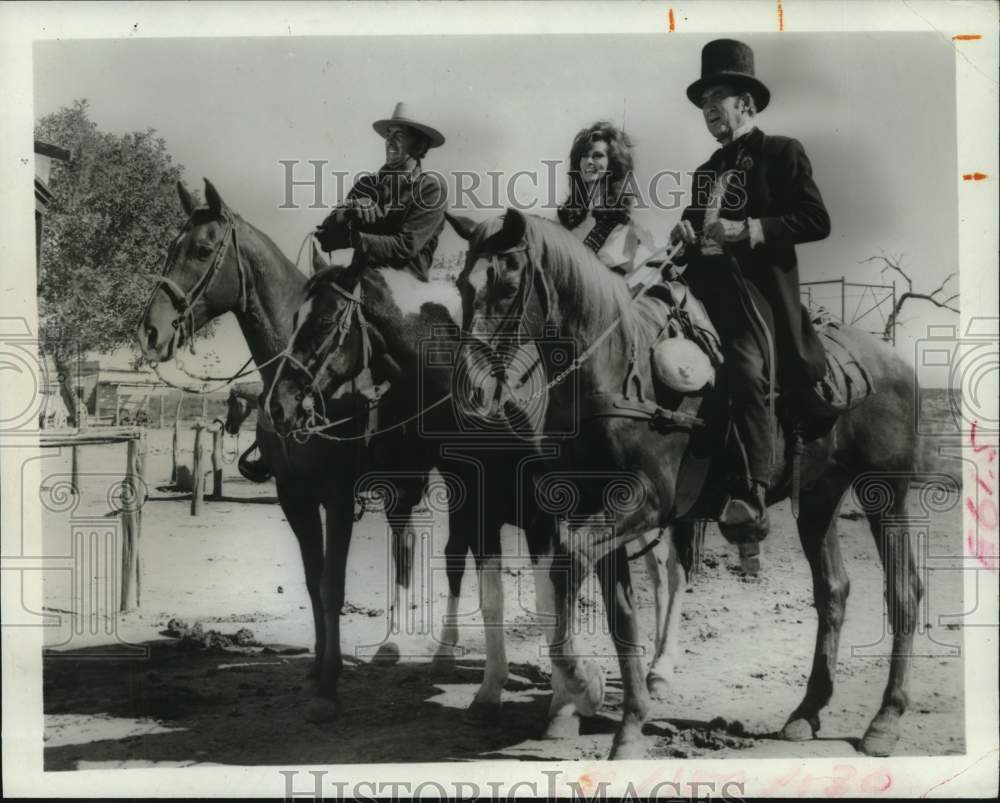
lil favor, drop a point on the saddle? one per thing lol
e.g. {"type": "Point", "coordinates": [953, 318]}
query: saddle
{"type": "Point", "coordinates": [688, 351]}
{"type": "Point", "coordinates": [685, 357]}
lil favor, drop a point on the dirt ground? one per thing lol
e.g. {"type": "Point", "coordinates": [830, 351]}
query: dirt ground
{"type": "Point", "coordinates": [129, 692]}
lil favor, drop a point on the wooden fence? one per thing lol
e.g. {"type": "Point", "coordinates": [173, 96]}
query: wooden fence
{"type": "Point", "coordinates": [132, 499]}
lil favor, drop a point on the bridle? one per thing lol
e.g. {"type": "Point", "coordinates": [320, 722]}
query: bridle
{"type": "Point", "coordinates": [516, 316]}
{"type": "Point", "coordinates": [513, 324]}
{"type": "Point", "coordinates": [183, 300]}
{"type": "Point", "coordinates": [352, 311]}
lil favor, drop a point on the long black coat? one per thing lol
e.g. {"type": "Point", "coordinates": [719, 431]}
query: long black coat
{"type": "Point", "coordinates": [774, 185]}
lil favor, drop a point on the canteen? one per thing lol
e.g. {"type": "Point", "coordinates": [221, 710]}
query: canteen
{"type": "Point", "coordinates": [680, 365]}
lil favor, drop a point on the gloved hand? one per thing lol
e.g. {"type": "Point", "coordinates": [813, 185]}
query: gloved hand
{"type": "Point", "coordinates": [330, 233]}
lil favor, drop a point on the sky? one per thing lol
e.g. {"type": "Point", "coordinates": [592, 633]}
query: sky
{"type": "Point", "coordinates": [874, 111]}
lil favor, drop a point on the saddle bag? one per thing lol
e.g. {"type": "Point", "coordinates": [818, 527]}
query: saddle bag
{"type": "Point", "coordinates": [688, 350]}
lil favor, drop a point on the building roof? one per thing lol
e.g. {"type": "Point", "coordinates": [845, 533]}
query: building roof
{"type": "Point", "coordinates": [52, 151]}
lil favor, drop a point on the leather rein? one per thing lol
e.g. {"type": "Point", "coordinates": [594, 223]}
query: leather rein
{"type": "Point", "coordinates": [621, 405]}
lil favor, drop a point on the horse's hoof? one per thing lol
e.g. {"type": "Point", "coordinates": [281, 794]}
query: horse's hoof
{"type": "Point", "coordinates": [589, 701]}
{"type": "Point", "coordinates": [799, 730]}
{"type": "Point", "coordinates": [657, 686]}
{"type": "Point", "coordinates": [322, 709]}
{"type": "Point", "coordinates": [881, 737]}
{"type": "Point", "coordinates": [631, 749]}
{"type": "Point", "coordinates": [387, 654]}
{"type": "Point", "coordinates": [564, 726]}
{"type": "Point", "coordinates": [483, 714]}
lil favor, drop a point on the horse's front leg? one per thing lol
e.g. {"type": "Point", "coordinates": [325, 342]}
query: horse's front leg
{"type": "Point", "coordinates": [619, 602]}
{"type": "Point", "coordinates": [485, 708]}
{"type": "Point", "coordinates": [302, 512]}
{"type": "Point", "coordinates": [456, 550]}
{"type": "Point", "coordinates": [577, 684]}
{"type": "Point", "coordinates": [403, 541]}
{"type": "Point", "coordinates": [339, 524]}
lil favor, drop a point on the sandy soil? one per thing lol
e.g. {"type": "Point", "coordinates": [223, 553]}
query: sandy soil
{"type": "Point", "coordinates": [154, 699]}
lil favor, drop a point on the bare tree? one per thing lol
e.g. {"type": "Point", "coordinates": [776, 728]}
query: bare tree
{"type": "Point", "coordinates": [936, 297]}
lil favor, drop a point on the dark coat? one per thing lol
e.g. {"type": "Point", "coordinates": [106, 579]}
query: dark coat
{"type": "Point", "coordinates": [774, 185]}
{"type": "Point", "coordinates": [407, 236]}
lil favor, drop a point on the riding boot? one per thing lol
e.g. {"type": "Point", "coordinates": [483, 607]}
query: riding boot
{"type": "Point", "coordinates": [745, 515]}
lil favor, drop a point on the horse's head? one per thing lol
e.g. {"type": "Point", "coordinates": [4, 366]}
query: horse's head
{"type": "Point", "coordinates": [238, 409]}
{"type": "Point", "coordinates": [505, 301]}
{"type": "Point", "coordinates": [330, 345]}
{"type": "Point", "coordinates": [202, 277]}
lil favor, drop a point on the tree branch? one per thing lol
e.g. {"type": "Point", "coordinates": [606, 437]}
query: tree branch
{"type": "Point", "coordinates": [896, 264]}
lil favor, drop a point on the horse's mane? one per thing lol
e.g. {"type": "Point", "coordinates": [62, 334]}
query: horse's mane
{"type": "Point", "coordinates": [590, 295]}
{"type": "Point", "coordinates": [325, 275]}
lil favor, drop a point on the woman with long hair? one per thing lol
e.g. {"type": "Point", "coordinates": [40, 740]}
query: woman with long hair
{"type": "Point", "coordinates": [598, 209]}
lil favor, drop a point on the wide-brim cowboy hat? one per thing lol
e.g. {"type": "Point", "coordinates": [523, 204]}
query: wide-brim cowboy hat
{"type": "Point", "coordinates": [402, 116]}
{"type": "Point", "coordinates": [726, 61]}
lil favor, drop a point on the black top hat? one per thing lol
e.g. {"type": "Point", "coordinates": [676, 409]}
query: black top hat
{"type": "Point", "coordinates": [726, 61]}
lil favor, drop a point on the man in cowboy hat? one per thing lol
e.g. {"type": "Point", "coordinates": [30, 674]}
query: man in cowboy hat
{"type": "Point", "coordinates": [753, 201]}
{"type": "Point", "coordinates": [393, 218]}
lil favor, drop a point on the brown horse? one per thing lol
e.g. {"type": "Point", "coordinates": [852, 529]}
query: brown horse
{"type": "Point", "coordinates": [408, 324]}
{"type": "Point", "coordinates": [406, 332]}
{"type": "Point", "coordinates": [219, 263]}
{"type": "Point", "coordinates": [526, 275]}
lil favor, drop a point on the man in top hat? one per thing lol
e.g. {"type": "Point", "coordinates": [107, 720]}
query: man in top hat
{"type": "Point", "coordinates": [753, 201]}
{"type": "Point", "coordinates": [394, 217]}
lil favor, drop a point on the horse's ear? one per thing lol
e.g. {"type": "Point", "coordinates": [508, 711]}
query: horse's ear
{"type": "Point", "coordinates": [215, 202]}
{"type": "Point", "coordinates": [463, 226]}
{"type": "Point", "coordinates": [514, 227]}
{"type": "Point", "coordinates": [187, 202]}
{"type": "Point", "coordinates": [318, 260]}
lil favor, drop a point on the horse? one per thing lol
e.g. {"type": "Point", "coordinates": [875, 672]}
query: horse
{"type": "Point", "coordinates": [528, 275]}
{"type": "Point", "coordinates": [219, 263]}
{"type": "Point", "coordinates": [384, 319]}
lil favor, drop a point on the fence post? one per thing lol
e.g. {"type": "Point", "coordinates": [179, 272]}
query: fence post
{"type": "Point", "coordinates": [162, 401]}
{"type": "Point", "coordinates": [698, 546]}
{"type": "Point", "coordinates": [74, 471]}
{"type": "Point", "coordinates": [216, 463]}
{"type": "Point", "coordinates": [197, 475]}
{"type": "Point", "coordinates": [133, 496]}
{"type": "Point", "coordinates": [175, 450]}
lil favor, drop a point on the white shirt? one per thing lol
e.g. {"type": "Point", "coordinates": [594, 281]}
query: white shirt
{"type": "Point", "coordinates": [622, 248]}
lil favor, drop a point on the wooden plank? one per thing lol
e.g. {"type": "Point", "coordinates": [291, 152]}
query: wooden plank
{"type": "Point", "coordinates": [131, 517]}
{"type": "Point", "coordinates": [52, 440]}
{"type": "Point", "coordinates": [216, 463]}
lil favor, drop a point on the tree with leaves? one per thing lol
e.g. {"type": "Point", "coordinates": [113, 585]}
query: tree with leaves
{"type": "Point", "coordinates": [113, 214]}
{"type": "Point", "coordinates": [937, 297]}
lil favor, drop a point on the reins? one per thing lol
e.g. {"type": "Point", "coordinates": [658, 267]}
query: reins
{"type": "Point", "coordinates": [666, 253]}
